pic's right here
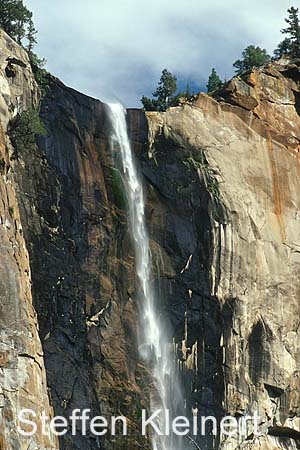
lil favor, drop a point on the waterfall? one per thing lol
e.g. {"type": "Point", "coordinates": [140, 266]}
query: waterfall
{"type": "Point", "coordinates": [154, 342]}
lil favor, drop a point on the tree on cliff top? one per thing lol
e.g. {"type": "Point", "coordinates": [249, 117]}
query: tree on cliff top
{"type": "Point", "coordinates": [164, 93]}
{"type": "Point", "coordinates": [17, 21]}
{"type": "Point", "coordinates": [166, 88]}
{"type": "Point", "coordinates": [291, 45]}
{"type": "Point", "coordinates": [283, 49]}
{"type": "Point", "coordinates": [214, 81]}
{"type": "Point", "coordinates": [252, 56]}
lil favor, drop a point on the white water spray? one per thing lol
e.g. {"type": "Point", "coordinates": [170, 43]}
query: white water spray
{"type": "Point", "coordinates": [155, 342]}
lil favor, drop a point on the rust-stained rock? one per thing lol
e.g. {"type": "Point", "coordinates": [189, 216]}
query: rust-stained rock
{"type": "Point", "coordinates": [272, 95]}
{"type": "Point", "coordinates": [240, 93]}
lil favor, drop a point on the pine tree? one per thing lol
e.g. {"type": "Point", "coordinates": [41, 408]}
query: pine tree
{"type": "Point", "coordinates": [293, 31]}
{"type": "Point", "coordinates": [31, 32]}
{"type": "Point", "coordinates": [149, 104]}
{"type": "Point", "coordinates": [214, 81]}
{"type": "Point", "coordinates": [16, 20]}
{"type": "Point", "coordinates": [164, 93]}
{"type": "Point", "coordinates": [187, 93]}
{"type": "Point", "coordinates": [283, 49]}
{"type": "Point", "coordinates": [166, 88]}
{"type": "Point", "coordinates": [252, 56]}
{"type": "Point", "coordinates": [13, 16]}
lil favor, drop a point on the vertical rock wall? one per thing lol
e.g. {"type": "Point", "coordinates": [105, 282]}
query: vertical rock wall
{"type": "Point", "coordinates": [83, 274]}
{"type": "Point", "coordinates": [22, 372]}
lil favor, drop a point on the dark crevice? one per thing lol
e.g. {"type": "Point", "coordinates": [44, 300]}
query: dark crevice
{"type": "Point", "coordinates": [16, 62]}
{"type": "Point", "coordinates": [292, 72]}
{"type": "Point", "coordinates": [274, 391]}
{"type": "Point", "coordinates": [284, 432]}
{"type": "Point", "coordinates": [10, 71]}
{"type": "Point", "coordinates": [297, 102]}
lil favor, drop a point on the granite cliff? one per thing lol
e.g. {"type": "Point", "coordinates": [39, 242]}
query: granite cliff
{"type": "Point", "coordinates": [222, 182]}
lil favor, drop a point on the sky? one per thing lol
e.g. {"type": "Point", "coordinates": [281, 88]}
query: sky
{"type": "Point", "coordinates": [117, 49]}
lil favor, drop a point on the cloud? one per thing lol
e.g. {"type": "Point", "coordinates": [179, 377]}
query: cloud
{"type": "Point", "coordinates": [117, 49]}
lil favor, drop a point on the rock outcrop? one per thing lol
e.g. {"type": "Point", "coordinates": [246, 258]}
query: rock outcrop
{"type": "Point", "coordinates": [222, 185]}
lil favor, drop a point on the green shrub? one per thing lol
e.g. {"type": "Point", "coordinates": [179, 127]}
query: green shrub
{"type": "Point", "coordinates": [196, 161]}
{"type": "Point", "coordinates": [213, 187]}
{"type": "Point", "coordinates": [118, 188]}
{"type": "Point", "coordinates": [42, 78]}
{"type": "Point", "coordinates": [24, 129]}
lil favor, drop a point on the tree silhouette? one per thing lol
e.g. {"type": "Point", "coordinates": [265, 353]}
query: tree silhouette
{"type": "Point", "coordinates": [214, 81]}
{"type": "Point", "coordinates": [164, 93]}
{"type": "Point", "coordinates": [16, 19]}
{"type": "Point", "coordinates": [292, 43]}
{"type": "Point", "coordinates": [252, 56]}
{"type": "Point", "coordinates": [283, 49]}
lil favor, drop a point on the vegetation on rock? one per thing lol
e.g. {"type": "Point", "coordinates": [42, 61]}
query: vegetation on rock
{"type": "Point", "coordinates": [17, 21]}
{"type": "Point", "coordinates": [118, 188]}
{"type": "Point", "coordinates": [290, 46]}
{"type": "Point", "coordinates": [25, 127]}
{"type": "Point", "coordinates": [251, 57]}
{"type": "Point", "coordinates": [42, 77]}
{"type": "Point", "coordinates": [164, 93]}
{"type": "Point", "coordinates": [198, 161]}
{"type": "Point", "coordinates": [283, 49]}
{"type": "Point", "coordinates": [214, 81]}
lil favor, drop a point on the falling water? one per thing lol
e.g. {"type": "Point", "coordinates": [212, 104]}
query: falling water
{"type": "Point", "coordinates": [154, 342]}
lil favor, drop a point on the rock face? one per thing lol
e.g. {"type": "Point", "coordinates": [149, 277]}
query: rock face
{"type": "Point", "coordinates": [232, 169]}
{"type": "Point", "coordinates": [83, 273]}
{"type": "Point", "coordinates": [222, 185]}
{"type": "Point", "coordinates": [22, 372]}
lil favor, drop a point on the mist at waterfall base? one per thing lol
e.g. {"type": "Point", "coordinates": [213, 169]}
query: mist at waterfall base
{"type": "Point", "coordinates": [155, 344]}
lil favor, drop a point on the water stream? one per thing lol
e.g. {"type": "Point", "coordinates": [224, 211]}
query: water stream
{"type": "Point", "coordinates": [154, 341]}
